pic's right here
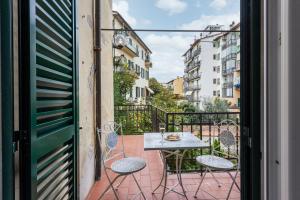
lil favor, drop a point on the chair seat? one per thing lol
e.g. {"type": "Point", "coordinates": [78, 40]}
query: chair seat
{"type": "Point", "coordinates": [128, 165]}
{"type": "Point", "coordinates": [215, 162]}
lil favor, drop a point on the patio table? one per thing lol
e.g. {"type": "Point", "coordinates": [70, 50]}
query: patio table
{"type": "Point", "coordinates": [153, 141]}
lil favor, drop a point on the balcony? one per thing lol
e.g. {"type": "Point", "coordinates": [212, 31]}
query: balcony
{"type": "Point", "coordinates": [192, 65]}
{"type": "Point", "coordinates": [131, 50]}
{"type": "Point", "coordinates": [228, 70]}
{"type": "Point", "coordinates": [133, 118]}
{"type": "Point", "coordinates": [231, 56]}
{"type": "Point", "coordinates": [228, 84]}
{"type": "Point", "coordinates": [148, 61]}
{"type": "Point", "coordinates": [193, 88]}
{"type": "Point", "coordinates": [197, 52]}
{"type": "Point", "coordinates": [231, 42]}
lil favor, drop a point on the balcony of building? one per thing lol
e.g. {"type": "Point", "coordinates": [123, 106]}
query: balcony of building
{"type": "Point", "coordinates": [229, 43]}
{"type": "Point", "coordinates": [228, 70]}
{"type": "Point", "coordinates": [192, 66]}
{"type": "Point", "coordinates": [148, 61]}
{"type": "Point", "coordinates": [131, 50]}
{"type": "Point", "coordinates": [228, 84]}
{"type": "Point", "coordinates": [136, 121]}
{"type": "Point", "coordinates": [230, 56]}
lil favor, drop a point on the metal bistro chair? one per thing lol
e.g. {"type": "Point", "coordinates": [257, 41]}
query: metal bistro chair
{"type": "Point", "coordinates": [215, 162]}
{"type": "Point", "coordinates": [114, 158]}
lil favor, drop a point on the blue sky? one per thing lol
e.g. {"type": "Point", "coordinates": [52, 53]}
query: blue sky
{"type": "Point", "coordinates": [174, 14]}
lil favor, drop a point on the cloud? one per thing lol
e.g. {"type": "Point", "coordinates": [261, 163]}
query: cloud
{"type": "Point", "coordinates": [172, 6]}
{"type": "Point", "coordinates": [167, 54]}
{"type": "Point", "coordinates": [122, 7]}
{"type": "Point", "coordinates": [205, 20]}
{"type": "Point", "coordinates": [218, 4]}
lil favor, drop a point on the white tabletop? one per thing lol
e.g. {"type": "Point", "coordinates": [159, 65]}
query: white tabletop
{"type": "Point", "coordinates": [153, 141]}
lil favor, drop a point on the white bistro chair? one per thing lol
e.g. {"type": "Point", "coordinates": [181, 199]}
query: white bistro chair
{"type": "Point", "coordinates": [114, 158]}
{"type": "Point", "coordinates": [225, 130]}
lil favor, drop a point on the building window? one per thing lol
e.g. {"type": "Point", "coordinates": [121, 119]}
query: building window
{"type": "Point", "coordinates": [216, 44]}
{"type": "Point", "coordinates": [137, 92]}
{"type": "Point", "coordinates": [143, 57]}
{"type": "Point", "coordinates": [130, 94]}
{"type": "Point", "coordinates": [214, 81]}
{"type": "Point", "coordinates": [130, 41]}
{"type": "Point", "coordinates": [142, 73]}
{"type": "Point", "coordinates": [143, 92]}
{"type": "Point", "coordinates": [138, 69]}
{"type": "Point", "coordinates": [216, 56]}
{"type": "Point", "coordinates": [218, 93]}
{"type": "Point", "coordinates": [214, 93]}
{"type": "Point", "coordinates": [218, 81]}
{"type": "Point", "coordinates": [147, 75]}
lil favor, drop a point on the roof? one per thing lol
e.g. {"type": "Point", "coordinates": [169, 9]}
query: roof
{"type": "Point", "coordinates": [119, 17]}
{"type": "Point", "coordinates": [231, 29]}
{"type": "Point", "coordinates": [199, 40]}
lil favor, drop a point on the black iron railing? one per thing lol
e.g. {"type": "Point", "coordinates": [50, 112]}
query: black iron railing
{"type": "Point", "coordinates": [137, 119]}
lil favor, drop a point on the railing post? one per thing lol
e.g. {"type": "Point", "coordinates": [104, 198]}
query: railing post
{"type": "Point", "coordinates": [156, 120]}
{"type": "Point", "coordinates": [167, 122]}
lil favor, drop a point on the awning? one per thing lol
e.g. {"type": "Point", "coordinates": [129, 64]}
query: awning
{"type": "Point", "coordinates": [188, 93]}
{"type": "Point", "coordinates": [149, 89]}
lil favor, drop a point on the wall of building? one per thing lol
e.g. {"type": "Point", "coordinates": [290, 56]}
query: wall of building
{"type": "Point", "coordinates": [178, 86]}
{"type": "Point", "coordinates": [137, 60]}
{"type": "Point", "coordinates": [87, 86]}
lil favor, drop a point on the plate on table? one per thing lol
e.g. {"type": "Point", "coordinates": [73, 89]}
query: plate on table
{"type": "Point", "coordinates": [173, 137]}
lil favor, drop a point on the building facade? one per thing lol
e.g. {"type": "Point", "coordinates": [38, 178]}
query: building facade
{"type": "Point", "coordinates": [137, 57]}
{"type": "Point", "coordinates": [176, 85]}
{"type": "Point", "coordinates": [230, 62]}
{"type": "Point", "coordinates": [212, 68]}
{"type": "Point", "coordinates": [202, 69]}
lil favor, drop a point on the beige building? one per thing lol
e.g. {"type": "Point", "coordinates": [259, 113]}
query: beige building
{"type": "Point", "coordinates": [176, 85]}
{"type": "Point", "coordinates": [137, 55]}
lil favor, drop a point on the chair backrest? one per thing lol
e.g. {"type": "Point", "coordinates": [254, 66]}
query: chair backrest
{"type": "Point", "coordinates": [108, 138]}
{"type": "Point", "coordinates": [227, 130]}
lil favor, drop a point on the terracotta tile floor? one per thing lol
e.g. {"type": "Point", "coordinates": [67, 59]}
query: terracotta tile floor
{"type": "Point", "coordinates": [150, 177]}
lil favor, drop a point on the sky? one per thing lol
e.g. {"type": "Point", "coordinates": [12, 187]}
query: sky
{"type": "Point", "coordinates": [168, 48]}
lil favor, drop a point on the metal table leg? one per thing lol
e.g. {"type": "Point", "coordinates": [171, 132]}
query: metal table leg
{"type": "Point", "coordinates": [163, 182]}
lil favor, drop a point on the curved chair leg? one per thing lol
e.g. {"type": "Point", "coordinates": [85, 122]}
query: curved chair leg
{"type": "Point", "coordinates": [111, 186]}
{"type": "Point", "coordinates": [139, 186]}
{"type": "Point", "coordinates": [212, 174]}
{"type": "Point", "coordinates": [117, 187]}
{"type": "Point", "coordinates": [195, 196]}
{"type": "Point", "coordinates": [233, 183]}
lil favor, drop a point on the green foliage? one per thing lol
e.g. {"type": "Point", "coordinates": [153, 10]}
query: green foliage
{"type": "Point", "coordinates": [187, 107]}
{"type": "Point", "coordinates": [163, 97]}
{"type": "Point", "coordinates": [123, 83]}
{"type": "Point", "coordinates": [218, 105]}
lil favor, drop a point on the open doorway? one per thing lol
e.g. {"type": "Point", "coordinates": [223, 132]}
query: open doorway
{"type": "Point", "coordinates": [142, 104]}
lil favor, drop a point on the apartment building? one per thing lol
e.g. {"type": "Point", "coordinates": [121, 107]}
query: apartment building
{"type": "Point", "coordinates": [137, 57]}
{"type": "Point", "coordinates": [176, 85]}
{"type": "Point", "coordinates": [212, 67]}
{"type": "Point", "coordinates": [202, 68]}
{"type": "Point", "coordinates": [230, 62]}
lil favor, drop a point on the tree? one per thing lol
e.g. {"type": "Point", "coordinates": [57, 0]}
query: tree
{"type": "Point", "coordinates": [187, 107]}
{"type": "Point", "coordinates": [123, 83]}
{"type": "Point", "coordinates": [217, 105]}
{"type": "Point", "coordinates": [155, 86]}
{"type": "Point", "coordinates": [162, 97]}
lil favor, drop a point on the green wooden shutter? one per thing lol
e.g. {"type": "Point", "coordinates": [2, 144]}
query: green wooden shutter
{"type": "Point", "coordinates": [51, 137]}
